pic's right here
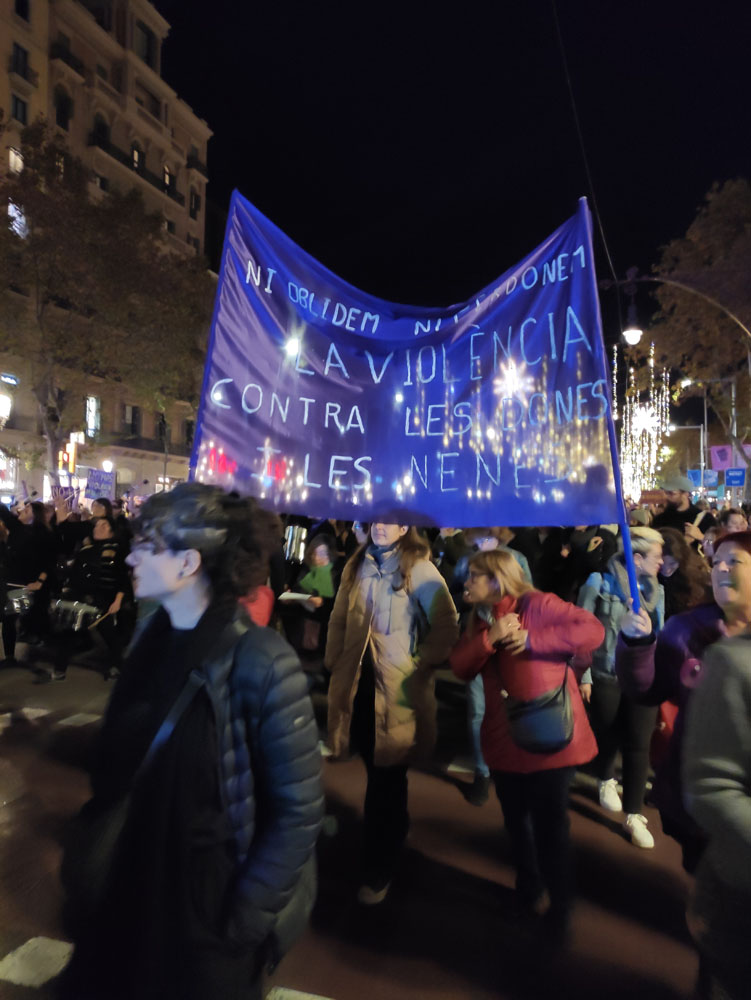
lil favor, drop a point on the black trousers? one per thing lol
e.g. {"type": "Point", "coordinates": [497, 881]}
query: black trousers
{"type": "Point", "coordinates": [109, 631]}
{"type": "Point", "coordinates": [535, 811]}
{"type": "Point", "coordinates": [620, 724]}
{"type": "Point", "coordinates": [386, 819]}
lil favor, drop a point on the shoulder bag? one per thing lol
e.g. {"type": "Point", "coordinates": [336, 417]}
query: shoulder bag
{"type": "Point", "coordinates": [544, 724]}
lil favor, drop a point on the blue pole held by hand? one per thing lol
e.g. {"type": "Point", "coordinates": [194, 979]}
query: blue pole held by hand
{"type": "Point", "coordinates": [628, 556]}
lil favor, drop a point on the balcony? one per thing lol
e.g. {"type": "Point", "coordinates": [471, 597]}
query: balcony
{"type": "Point", "coordinates": [140, 443]}
{"type": "Point", "coordinates": [22, 75]}
{"type": "Point", "coordinates": [103, 143]}
{"type": "Point", "coordinates": [63, 53]}
{"type": "Point", "coordinates": [195, 164]}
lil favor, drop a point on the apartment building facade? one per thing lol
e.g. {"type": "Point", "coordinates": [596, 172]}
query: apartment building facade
{"type": "Point", "coordinates": [93, 69]}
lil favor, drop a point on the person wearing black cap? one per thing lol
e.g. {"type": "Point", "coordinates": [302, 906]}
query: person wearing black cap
{"type": "Point", "coordinates": [680, 513]}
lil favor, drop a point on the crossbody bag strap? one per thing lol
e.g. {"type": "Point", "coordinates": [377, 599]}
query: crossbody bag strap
{"type": "Point", "coordinates": [192, 686]}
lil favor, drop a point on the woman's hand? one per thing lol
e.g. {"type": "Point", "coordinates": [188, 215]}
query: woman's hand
{"type": "Point", "coordinates": [36, 585]}
{"type": "Point", "coordinates": [116, 605]}
{"type": "Point", "coordinates": [636, 626]}
{"type": "Point", "coordinates": [585, 690]}
{"type": "Point", "coordinates": [503, 627]}
{"type": "Point", "coordinates": [516, 642]}
{"type": "Point", "coordinates": [317, 602]}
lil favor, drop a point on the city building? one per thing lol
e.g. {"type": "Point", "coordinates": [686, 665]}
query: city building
{"type": "Point", "coordinates": [93, 68]}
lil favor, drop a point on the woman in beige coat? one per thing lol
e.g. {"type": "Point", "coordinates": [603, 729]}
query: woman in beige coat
{"type": "Point", "coordinates": [393, 622]}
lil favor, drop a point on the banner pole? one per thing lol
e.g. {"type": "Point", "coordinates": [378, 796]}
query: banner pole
{"type": "Point", "coordinates": [628, 555]}
{"type": "Point", "coordinates": [618, 482]}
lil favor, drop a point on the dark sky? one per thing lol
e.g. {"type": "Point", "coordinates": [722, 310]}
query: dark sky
{"type": "Point", "coordinates": [420, 149]}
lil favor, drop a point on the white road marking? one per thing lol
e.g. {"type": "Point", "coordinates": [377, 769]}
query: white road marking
{"type": "Point", "coordinates": [79, 719]}
{"type": "Point", "coordinates": [35, 962]}
{"type": "Point", "coordinates": [281, 993]}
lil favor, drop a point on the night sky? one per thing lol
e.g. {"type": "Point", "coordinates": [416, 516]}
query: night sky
{"type": "Point", "coordinates": [419, 150]}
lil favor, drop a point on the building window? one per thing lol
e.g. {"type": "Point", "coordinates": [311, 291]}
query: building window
{"type": "Point", "coordinates": [20, 61]}
{"type": "Point", "coordinates": [194, 205]}
{"type": "Point", "coordinates": [170, 226]}
{"type": "Point", "coordinates": [136, 157]}
{"type": "Point", "coordinates": [19, 109]}
{"type": "Point", "coordinates": [8, 473]}
{"type": "Point", "coordinates": [60, 165]}
{"type": "Point", "coordinates": [93, 416]}
{"type": "Point", "coordinates": [194, 242]}
{"type": "Point", "coordinates": [132, 420]}
{"type": "Point", "coordinates": [63, 40]}
{"type": "Point", "coordinates": [17, 220]}
{"type": "Point", "coordinates": [63, 108]}
{"type": "Point", "coordinates": [102, 71]}
{"type": "Point", "coordinates": [168, 178]}
{"type": "Point", "coordinates": [101, 133]}
{"type": "Point", "coordinates": [102, 182]}
{"type": "Point", "coordinates": [15, 160]}
{"type": "Point", "coordinates": [144, 44]}
{"type": "Point", "coordinates": [189, 430]}
{"type": "Point", "coordinates": [23, 10]}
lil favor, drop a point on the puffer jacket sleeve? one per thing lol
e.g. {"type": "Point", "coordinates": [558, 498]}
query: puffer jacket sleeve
{"type": "Point", "coordinates": [286, 763]}
{"type": "Point", "coordinates": [429, 589]}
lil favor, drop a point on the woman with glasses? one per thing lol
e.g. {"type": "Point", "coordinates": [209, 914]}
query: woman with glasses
{"type": "Point", "coordinates": [223, 817]}
{"type": "Point", "coordinates": [521, 641]}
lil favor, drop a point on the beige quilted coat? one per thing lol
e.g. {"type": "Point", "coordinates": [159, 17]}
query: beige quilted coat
{"type": "Point", "coordinates": [408, 633]}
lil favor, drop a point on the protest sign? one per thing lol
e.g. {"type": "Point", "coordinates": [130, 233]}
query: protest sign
{"type": "Point", "coordinates": [323, 400]}
{"type": "Point", "coordinates": [100, 484]}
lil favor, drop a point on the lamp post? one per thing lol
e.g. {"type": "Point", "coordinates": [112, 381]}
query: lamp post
{"type": "Point", "coordinates": [700, 429]}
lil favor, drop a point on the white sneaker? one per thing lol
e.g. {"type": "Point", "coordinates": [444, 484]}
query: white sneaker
{"type": "Point", "coordinates": [609, 797]}
{"type": "Point", "coordinates": [369, 896]}
{"type": "Point", "coordinates": [636, 827]}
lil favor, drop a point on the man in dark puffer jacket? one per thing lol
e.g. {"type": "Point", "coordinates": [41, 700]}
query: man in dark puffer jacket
{"type": "Point", "coordinates": [223, 822]}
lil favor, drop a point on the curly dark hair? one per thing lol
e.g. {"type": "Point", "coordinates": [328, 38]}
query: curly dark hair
{"type": "Point", "coordinates": [233, 535]}
{"type": "Point", "coordinates": [690, 584]}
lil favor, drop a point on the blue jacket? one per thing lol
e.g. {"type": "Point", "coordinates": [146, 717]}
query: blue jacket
{"type": "Point", "coordinates": [606, 596]}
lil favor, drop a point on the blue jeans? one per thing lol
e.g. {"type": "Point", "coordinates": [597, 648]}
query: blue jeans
{"type": "Point", "coordinates": [475, 715]}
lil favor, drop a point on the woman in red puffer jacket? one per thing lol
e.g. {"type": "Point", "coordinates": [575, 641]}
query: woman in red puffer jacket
{"type": "Point", "coordinates": [521, 641]}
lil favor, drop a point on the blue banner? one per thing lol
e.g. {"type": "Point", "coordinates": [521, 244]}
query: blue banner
{"type": "Point", "coordinates": [711, 478]}
{"type": "Point", "coordinates": [323, 400]}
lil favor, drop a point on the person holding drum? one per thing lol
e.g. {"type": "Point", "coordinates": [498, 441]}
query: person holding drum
{"type": "Point", "coordinates": [97, 586]}
{"type": "Point", "coordinates": [31, 566]}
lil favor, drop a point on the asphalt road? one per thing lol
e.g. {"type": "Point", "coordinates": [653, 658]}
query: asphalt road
{"type": "Point", "coordinates": [448, 928]}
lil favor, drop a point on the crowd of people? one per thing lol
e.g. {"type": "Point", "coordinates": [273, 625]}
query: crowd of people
{"type": "Point", "coordinates": [562, 672]}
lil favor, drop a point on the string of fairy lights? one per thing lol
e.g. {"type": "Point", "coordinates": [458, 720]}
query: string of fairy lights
{"type": "Point", "coordinates": [645, 421]}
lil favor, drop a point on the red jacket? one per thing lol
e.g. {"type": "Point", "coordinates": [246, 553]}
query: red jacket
{"type": "Point", "coordinates": [557, 630]}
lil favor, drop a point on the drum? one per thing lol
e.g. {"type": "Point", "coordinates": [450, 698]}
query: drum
{"type": "Point", "coordinates": [72, 616]}
{"type": "Point", "coordinates": [18, 601]}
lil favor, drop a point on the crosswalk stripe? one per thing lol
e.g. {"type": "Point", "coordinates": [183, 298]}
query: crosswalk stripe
{"type": "Point", "coordinates": [79, 719]}
{"type": "Point", "coordinates": [282, 993]}
{"type": "Point", "coordinates": [35, 962]}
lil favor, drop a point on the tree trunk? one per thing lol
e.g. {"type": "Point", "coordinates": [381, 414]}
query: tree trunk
{"type": "Point", "coordinates": [49, 413]}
